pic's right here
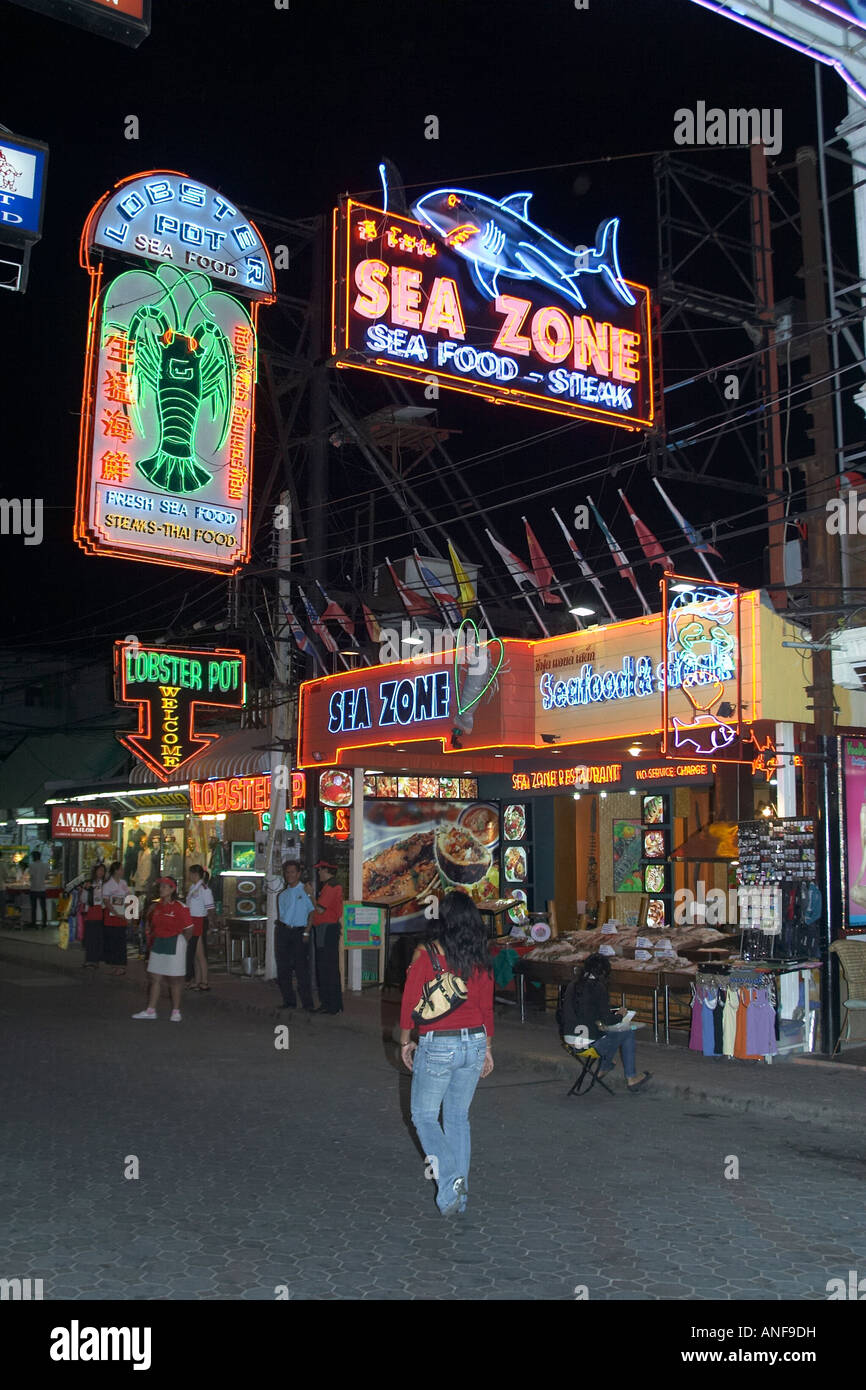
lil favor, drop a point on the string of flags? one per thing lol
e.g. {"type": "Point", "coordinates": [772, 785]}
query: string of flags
{"type": "Point", "coordinates": [536, 582]}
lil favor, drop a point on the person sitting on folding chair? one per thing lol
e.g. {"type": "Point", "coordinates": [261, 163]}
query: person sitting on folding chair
{"type": "Point", "coordinates": [586, 1012]}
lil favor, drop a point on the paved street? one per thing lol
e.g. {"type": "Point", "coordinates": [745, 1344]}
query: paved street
{"type": "Point", "coordinates": [262, 1170]}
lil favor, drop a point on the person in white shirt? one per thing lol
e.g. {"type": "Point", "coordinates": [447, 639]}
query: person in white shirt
{"type": "Point", "coordinates": [200, 905]}
{"type": "Point", "coordinates": [38, 873]}
{"type": "Point", "coordinates": [114, 893]}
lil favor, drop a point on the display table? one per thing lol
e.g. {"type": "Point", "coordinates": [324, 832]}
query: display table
{"type": "Point", "coordinates": [249, 930]}
{"type": "Point", "coordinates": [621, 982]}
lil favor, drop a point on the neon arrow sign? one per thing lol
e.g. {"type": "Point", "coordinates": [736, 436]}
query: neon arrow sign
{"type": "Point", "coordinates": [168, 685]}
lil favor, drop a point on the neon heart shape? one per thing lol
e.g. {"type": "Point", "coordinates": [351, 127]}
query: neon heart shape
{"type": "Point", "coordinates": [467, 623]}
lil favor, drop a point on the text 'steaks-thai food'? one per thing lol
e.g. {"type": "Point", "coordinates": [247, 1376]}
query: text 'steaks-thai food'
{"type": "Point", "coordinates": [461, 856]}
{"type": "Point", "coordinates": [398, 873]}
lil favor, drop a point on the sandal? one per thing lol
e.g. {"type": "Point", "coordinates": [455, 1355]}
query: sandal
{"type": "Point", "coordinates": [638, 1085]}
{"type": "Point", "coordinates": [203, 989]}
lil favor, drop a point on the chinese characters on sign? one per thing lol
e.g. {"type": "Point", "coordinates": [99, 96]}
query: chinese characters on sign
{"type": "Point", "coordinates": [472, 293]}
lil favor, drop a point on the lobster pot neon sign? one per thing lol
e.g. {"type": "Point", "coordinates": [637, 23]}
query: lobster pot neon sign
{"type": "Point", "coordinates": [166, 453]}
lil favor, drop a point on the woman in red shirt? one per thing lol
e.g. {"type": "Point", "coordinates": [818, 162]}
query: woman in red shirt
{"type": "Point", "coordinates": [327, 921]}
{"type": "Point", "coordinates": [169, 926]}
{"type": "Point", "coordinates": [452, 1053]}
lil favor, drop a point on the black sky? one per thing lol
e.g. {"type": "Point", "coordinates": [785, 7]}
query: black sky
{"type": "Point", "coordinates": [284, 110]}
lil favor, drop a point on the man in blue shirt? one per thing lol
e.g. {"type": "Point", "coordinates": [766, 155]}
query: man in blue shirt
{"type": "Point", "coordinates": [292, 938]}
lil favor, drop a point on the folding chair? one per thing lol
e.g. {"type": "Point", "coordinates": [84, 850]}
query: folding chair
{"type": "Point", "coordinates": [589, 1075]}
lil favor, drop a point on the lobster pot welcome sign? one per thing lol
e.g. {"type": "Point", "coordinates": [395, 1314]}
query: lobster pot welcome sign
{"type": "Point", "coordinates": [166, 456]}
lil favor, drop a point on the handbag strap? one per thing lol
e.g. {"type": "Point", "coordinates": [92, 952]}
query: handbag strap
{"type": "Point", "coordinates": [433, 960]}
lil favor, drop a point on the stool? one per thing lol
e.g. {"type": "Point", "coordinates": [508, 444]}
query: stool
{"type": "Point", "coordinates": [589, 1072]}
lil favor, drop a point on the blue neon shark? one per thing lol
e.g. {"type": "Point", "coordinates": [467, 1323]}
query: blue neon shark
{"type": "Point", "coordinates": [498, 239]}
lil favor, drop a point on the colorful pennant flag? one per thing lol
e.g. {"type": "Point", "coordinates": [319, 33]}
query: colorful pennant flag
{"type": "Point", "coordinates": [302, 641]}
{"type": "Point", "coordinates": [416, 605]}
{"type": "Point", "coordinates": [541, 567]}
{"type": "Point", "coordinates": [619, 556]}
{"type": "Point", "coordinates": [374, 632]}
{"type": "Point", "coordinates": [335, 614]}
{"type": "Point", "coordinates": [651, 548]}
{"type": "Point", "coordinates": [584, 567]}
{"type": "Point", "coordinates": [520, 574]}
{"type": "Point", "coordinates": [441, 596]}
{"type": "Point", "coordinates": [317, 625]}
{"type": "Point", "coordinates": [466, 596]}
{"type": "Point", "coordinates": [701, 547]}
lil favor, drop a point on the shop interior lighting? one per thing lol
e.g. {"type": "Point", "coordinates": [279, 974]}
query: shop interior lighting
{"type": "Point", "coordinates": [769, 810]}
{"type": "Point", "coordinates": [636, 749]}
{"type": "Point", "coordinates": [632, 791]}
{"type": "Point", "coordinates": [413, 641]}
{"type": "Point", "coordinates": [602, 795]}
{"type": "Point", "coordinates": [681, 588]}
{"type": "Point", "coordinates": [32, 820]}
{"type": "Point", "coordinates": [582, 612]}
{"type": "Point", "coordinates": [577, 796]}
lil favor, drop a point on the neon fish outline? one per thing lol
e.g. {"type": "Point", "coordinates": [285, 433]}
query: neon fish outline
{"type": "Point", "coordinates": [498, 238]}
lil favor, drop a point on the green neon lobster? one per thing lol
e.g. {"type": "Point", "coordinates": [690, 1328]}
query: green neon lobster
{"type": "Point", "coordinates": [185, 359]}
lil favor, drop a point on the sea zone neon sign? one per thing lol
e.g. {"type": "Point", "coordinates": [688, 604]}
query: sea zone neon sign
{"type": "Point", "coordinates": [168, 686]}
{"type": "Point", "coordinates": [400, 702]}
{"type": "Point", "coordinates": [471, 293]}
{"type": "Point", "coordinates": [166, 451]}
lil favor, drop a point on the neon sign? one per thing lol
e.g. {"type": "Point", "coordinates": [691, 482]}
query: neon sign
{"type": "Point", "coordinates": [225, 794]}
{"type": "Point", "coordinates": [400, 702]}
{"type": "Point", "coordinates": [167, 686]}
{"type": "Point", "coordinates": [701, 635]}
{"type": "Point", "coordinates": [166, 453]}
{"type": "Point", "coordinates": [636, 677]}
{"type": "Point", "coordinates": [127, 21]}
{"type": "Point", "coordinates": [659, 774]}
{"type": "Point", "coordinates": [168, 217]}
{"type": "Point", "coordinates": [569, 335]}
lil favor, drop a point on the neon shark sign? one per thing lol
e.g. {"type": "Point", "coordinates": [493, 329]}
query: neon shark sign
{"type": "Point", "coordinates": [498, 239]}
{"type": "Point", "coordinates": [470, 294]}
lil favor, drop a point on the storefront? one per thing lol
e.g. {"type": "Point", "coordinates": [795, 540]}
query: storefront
{"type": "Point", "coordinates": [569, 771]}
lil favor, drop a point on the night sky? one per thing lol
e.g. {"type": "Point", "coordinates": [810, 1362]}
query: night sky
{"type": "Point", "coordinates": [283, 111]}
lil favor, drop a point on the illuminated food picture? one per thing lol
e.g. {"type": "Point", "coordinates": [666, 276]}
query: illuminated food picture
{"type": "Point", "coordinates": [335, 788]}
{"type": "Point", "coordinates": [483, 822]}
{"type": "Point", "coordinates": [386, 786]}
{"type": "Point", "coordinates": [407, 786]}
{"type": "Point", "coordinates": [518, 913]}
{"type": "Point", "coordinates": [369, 786]}
{"type": "Point", "coordinates": [515, 864]}
{"type": "Point", "coordinates": [428, 787]}
{"type": "Point", "coordinates": [462, 858]}
{"type": "Point", "coordinates": [653, 844]}
{"type": "Point", "coordinates": [449, 787]}
{"type": "Point", "coordinates": [246, 906]}
{"type": "Point", "coordinates": [654, 878]}
{"type": "Point", "coordinates": [400, 872]}
{"type": "Point", "coordinates": [515, 822]}
{"type": "Point", "coordinates": [246, 886]}
{"type": "Point", "coordinates": [653, 810]}
{"type": "Point", "coordinates": [655, 916]}
{"type": "Point", "coordinates": [468, 788]}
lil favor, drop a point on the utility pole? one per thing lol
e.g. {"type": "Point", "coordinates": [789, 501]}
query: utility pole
{"type": "Point", "coordinates": [768, 374]}
{"type": "Point", "coordinates": [824, 571]}
{"type": "Point", "coordinates": [281, 758]}
{"type": "Point", "coordinates": [317, 499]}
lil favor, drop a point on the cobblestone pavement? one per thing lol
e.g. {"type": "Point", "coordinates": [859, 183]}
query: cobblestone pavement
{"type": "Point", "coordinates": [265, 1171]}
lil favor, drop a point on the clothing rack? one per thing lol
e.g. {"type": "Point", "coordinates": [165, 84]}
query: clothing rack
{"type": "Point", "coordinates": [786, 987]}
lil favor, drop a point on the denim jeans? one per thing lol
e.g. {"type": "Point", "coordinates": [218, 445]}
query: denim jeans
{"type": "Point", "coordinates": [445, 1074]}
{"type": "Point", "coordinates": [609, 1044]}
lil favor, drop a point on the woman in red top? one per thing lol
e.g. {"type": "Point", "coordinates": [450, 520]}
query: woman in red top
{"type": "Point", "coordinates": [169, 926]}
{"type": "Point", "coordinates": [452, 1053]}
{"type": "Point", "coordinates": [327, 920]}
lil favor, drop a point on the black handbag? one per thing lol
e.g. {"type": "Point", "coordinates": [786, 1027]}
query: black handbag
{"type": "Point", "coordinates": [441, 995]}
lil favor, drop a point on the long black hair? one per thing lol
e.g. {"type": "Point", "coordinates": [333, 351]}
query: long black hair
{"type": "Point", "coordinates": [595, 967]}
{"type": "Point", "coordinates": [462, 935]}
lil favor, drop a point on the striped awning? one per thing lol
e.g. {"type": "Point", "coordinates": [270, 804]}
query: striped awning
{"type": "Point", "coordinates": [241, 754]}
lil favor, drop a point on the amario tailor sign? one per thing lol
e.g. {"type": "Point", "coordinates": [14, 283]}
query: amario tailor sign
{"type": "Point", "coordinates": [166, 451]}
{"type": "Point", "coordinates": [80, 823]}
{"type": "Point", "coordinates": [471, 293]}
{"type": "Point", "coordinates": [127, 21]}
{"type": "Point", "coordinates": [168, 686]}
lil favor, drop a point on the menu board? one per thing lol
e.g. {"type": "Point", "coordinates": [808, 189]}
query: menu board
{"type": "Point", "coordinates": [654, 873]}
{"type": "Point", "coordinates": [417, 850]}
{"type": "Point", "coordinates": [518, 857]}
{"type": "Point", "coordinates": [388, 786]}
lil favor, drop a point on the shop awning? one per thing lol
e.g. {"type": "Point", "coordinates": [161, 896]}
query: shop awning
{"type": "Point", "coordinates": [240, 754]}
{"type": "Point", "coordinates": [80, 755]}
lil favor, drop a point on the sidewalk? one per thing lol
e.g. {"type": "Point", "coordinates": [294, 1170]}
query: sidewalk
{"type": "Point", "coordinates": [806, 1089]}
